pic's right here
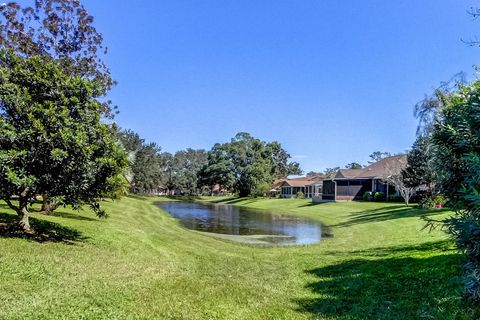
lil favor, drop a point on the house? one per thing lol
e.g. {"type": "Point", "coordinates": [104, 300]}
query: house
{"type": "Point", "coordinates": [289, 188]}
{"type": "Point", "coordinates": [352, 184]}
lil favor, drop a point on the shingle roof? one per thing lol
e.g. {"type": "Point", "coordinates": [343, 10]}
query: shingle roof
{"type": "Point", "coordinates": [374, 171]}
{"type": "Point", "coordinates": [302, 181]}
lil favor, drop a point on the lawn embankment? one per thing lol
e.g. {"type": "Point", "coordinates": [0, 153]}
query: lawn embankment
{"type": "Point", "coordinates": [141, 264]}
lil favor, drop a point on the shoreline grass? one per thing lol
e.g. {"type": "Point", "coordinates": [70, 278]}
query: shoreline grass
{"type": "Point", "coordinates": [140, 263]}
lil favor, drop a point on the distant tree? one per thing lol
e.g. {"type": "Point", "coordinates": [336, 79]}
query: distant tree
{"type": "Point", "coordinates": [187, 165]}
{"type": "Point", "coordinates": [279, 158]}
{"type": "Point", "coordinates": [51, 138]}
{"type": "Point", "coordinates": [330, 172]}
{"type": "Point", "coordinates": [394, 175]}
{"type": "Point", "coordinates": [418, 171]}
{"type": "Point", "coordinates": [219, 169]}
{"type": "Point", "coordinates": [314, 173]}
{"type": "Point", "coordinates": [247, 164]}
{"type": "Point", "coordinates": [378, 155]}
{"type": "Point", "coordinates": [354, 165]}
{"type": "Point", "coordinates": [147, 169]}
{"type": "Point", "coordinates": [130, 140]}
{"type": "Point", "coordinates": [427, 111]}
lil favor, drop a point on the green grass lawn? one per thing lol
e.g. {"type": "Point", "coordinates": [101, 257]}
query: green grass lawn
{"type": "Point", "coordinates": [141, 264]}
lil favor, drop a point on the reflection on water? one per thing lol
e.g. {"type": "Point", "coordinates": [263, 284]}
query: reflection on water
{"type": "Point", "coordinates": [266, 225]}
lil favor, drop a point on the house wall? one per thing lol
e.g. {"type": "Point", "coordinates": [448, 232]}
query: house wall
{"type": "Point", "coordinates": [348, 190]}
{"type": "Point", "coordinates": [291, 192]}
{"type": "Point", "coordinates": [328, 192]}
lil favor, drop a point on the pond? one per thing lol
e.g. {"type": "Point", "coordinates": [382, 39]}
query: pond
{"type": "Point", "coordinates": [246, 225]}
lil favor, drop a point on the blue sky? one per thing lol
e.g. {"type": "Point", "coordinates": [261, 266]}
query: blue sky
{"type": "Point", "coordinates": [331, 80]}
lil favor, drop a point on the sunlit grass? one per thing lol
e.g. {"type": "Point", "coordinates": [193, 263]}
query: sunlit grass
{"type": "Point", "coordinates": [141, 264]}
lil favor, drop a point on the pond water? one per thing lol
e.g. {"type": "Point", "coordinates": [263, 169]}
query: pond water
{"type": "Point", "coordinates": [246, 225]}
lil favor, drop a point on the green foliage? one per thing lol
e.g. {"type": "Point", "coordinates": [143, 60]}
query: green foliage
{"type": "Point", "coordinates": [262, 189]}
{"type": "Point", "coordinates": [368, 196]}
{"type": "Point", "coordinates": [456, 162]}
{"type": "Point", "coordinates": [61, 31]}
{"type": "Point", "coordinates": [330, 172]}
{"type": "Point", "coordinates": [418, 171]}
{"type": "Point", "coordinates": [378, 155]}
{"type": "Point", "coordinates": [395, 198]}
{"type": "Point", "coordinates": [433, 201]}
{"type": "Point", "coordinates": [379, 196]}
{"type": "Point", "coordinates": [300, 195]}
{"type": "Point", "coordinates": [51, 138]}
{"type": "Point", "coordinates": [246, 163]}
{"type": "Point", "coordinates": [354, 165]}
{"type": "Point", "coordinates": [146, 169]}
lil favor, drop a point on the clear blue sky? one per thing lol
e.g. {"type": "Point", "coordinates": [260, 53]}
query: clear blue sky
{"type": "Point", "coordinates": [331, 80]}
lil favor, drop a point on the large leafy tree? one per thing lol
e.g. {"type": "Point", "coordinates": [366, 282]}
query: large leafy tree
{"type": "Point", "coordinates": [147, 169]}
{"type": "Point", "coordinates": [219, 168]}
{"type": "Point", "coordinates": [418, 171]}
{"type": "Point", "coordinates": [187, 165]}
{"type": "Point", "coordinates": [246, 164]}
{"type": "Point", "coordinates": [52, 140]}
{"type": "Point", "coordinates": [60, 30]}
{"type": "Point", "coordinates": [456, 162]}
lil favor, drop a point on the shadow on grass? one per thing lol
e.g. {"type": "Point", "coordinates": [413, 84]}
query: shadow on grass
{"type": "Point", "coordinates": [43, 231]}
{"type": "Point", "coordinates": [226, 200]}
{"type": "Point", "coordinates": [388, 213]}
{"type": "Point", "coordinates": [389, 288]}
{"type": "Point", "coordinates": [73, 216]}
{"type": "Point", "coordinates": [313, 204]}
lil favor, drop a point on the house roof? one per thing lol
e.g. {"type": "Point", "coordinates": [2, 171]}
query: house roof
{"type": "Point", "coordinates": [376, 170]}
{"type": "Point", "coordinates": [301, 182]}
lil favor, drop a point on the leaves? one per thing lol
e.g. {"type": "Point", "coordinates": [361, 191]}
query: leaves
{"type": "Point", "coordinates": [55, 141]}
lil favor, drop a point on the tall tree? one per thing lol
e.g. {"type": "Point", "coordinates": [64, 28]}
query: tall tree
{"type": "Point", "coordinates": [378, 155]}
{"type": "Point", "coordinates": [354, 165]}
{"type": "Point", "coordinates": [418, 171]}
{"type": "Point", "coordinates": [219, 169]}
{"type": "Point", "coordinates": [279, 158]}
{"type": "Point", "coordinates": [52, 140]}
{"type": "Point", "coordinates": [187, 165]}
{"type": "Point", "coordinates": [147, 169]}
{"type": "Point", "coordinates": [330, 172]}
{"type": "Point", "coordinates": [247, 163]}
{"type": "Point", "coordinates": [456, 163]}
{"type": "Point", "coordinates": [60, 30]}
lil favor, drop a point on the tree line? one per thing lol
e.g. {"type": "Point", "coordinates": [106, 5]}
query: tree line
{"type": "Point", "coordinates": [245, 165]}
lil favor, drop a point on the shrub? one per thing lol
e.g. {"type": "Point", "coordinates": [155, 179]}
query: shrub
{"type": "Point", "coordinates": [367, 196]}
{"type": "Point", "coordinates": [300, 195]}
{"type": "Point", "coordinates": [395, 198]}
{"type": "Point", "coordinates": [433, 202]}
{"type": "Point", "coordinates": [379, 196]}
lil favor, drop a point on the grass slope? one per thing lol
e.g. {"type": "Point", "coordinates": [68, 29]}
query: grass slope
{"type": "Point", "coordinates": [141, 264]}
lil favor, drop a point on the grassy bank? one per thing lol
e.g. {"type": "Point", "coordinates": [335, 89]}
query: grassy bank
{"type": "Point", "coordinates": [141, 264]}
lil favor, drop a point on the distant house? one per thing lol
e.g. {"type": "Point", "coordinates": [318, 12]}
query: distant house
{"type": "Point", "coordinates": [352, 184]}
{"type": "Point", "coordinates": [309, 186]}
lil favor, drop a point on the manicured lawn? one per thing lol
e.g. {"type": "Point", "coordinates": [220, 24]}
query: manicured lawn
{"type": "Point", "coordinates": [141, 264]}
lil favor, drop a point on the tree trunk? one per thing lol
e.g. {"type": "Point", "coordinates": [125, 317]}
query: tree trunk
{"type": "Point", "coordinates": [48, 206]}
{"type": "Point", "coordinates": [23, 221]}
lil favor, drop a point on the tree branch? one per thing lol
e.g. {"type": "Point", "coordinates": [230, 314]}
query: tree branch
{"type": "Point", "coordinates": [10, 204]}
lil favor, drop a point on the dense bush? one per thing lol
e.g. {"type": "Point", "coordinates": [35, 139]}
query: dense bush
{"type": "Point", "coordinates": [379, 196]}
{"type": "Point", "coordinates": [300, 195]}
{"type": "Point", "coordinates": [433, 202]}
{"type": "Point", "coordinates": [367, 196]}
{"type": "Point", "coordinates": [395, 198]}
{"type": "Point", "coordinates": [456, 160]}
